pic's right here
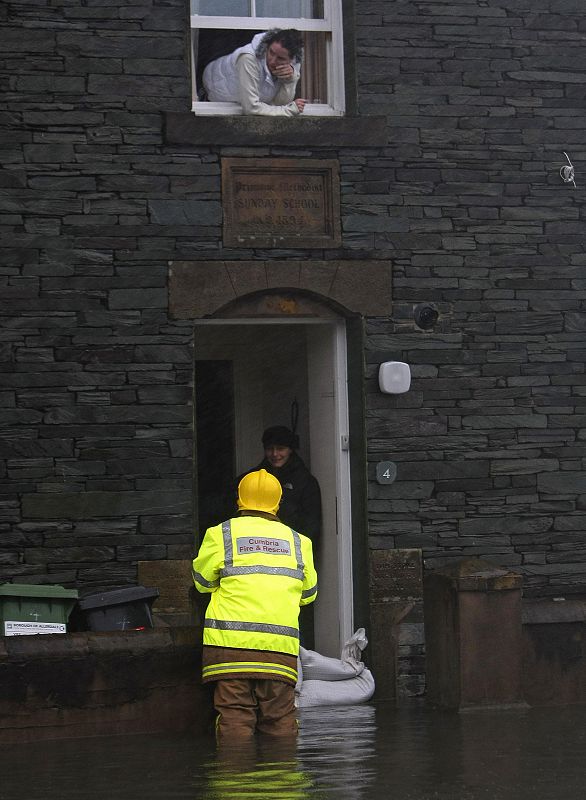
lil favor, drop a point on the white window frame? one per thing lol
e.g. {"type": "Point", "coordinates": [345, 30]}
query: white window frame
{"type": "Point", "coordinates": [331, 23]}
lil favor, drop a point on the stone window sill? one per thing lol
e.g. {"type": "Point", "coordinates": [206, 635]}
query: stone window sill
{"type": "Point", "coordinates": [187, 129]}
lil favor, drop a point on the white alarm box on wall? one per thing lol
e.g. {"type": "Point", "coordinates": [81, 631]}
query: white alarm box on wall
{"type": "Point", "coordinates": [394, 377]}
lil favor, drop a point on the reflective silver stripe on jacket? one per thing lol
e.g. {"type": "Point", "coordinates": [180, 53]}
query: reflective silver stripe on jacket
{"type": "Point", "coordinates": [199, 578]}
{"type": "Point", "coordinates": [228, 551]}
{"type": "Point", "coordinates": [262, 570]}
{"type": "Point", "coordinates": [309, 592]}
{"type": "Point", "coordinates": [298, 553]}
{"type": "Point", "coordinates": [230, 569]}
{"type": "Point", "coordinates": [253, 627]}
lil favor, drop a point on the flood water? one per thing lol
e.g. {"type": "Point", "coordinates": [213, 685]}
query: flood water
{"type": "Point", "coordinates": [371, 752]}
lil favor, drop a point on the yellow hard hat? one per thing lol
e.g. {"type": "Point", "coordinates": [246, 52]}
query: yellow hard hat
{"type": "Point", "coordinates": [259, 491]}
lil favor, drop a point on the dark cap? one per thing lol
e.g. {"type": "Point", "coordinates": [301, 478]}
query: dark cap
{"type": "Point", "coordinates": [280, 435]}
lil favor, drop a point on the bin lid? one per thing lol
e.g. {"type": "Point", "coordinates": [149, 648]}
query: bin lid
{"type": "Point", "coordinates": [36, 590]}
{"type": "Point", "coordinates": [114, 597]}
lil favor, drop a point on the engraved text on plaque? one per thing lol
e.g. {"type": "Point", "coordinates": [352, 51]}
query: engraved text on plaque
{"type": "Point", "coordinates": [281, 202]}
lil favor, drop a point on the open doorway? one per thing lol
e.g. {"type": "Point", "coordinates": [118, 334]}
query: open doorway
{"type": "Point", "coordinates": [260, 372]}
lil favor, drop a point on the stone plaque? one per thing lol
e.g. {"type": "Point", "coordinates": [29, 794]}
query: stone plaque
{"type": "Point", "coordinates": [277, 202]}
{"type": "Point", "coordinates": [396, 574]}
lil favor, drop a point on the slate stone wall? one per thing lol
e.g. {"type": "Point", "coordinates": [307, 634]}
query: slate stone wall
{"type": "Point", "coordinates": [96, 392]}
{"type": "Point", "coordinates": [464, 198]}
{"type": "Point", "coordinates": [482, 100]}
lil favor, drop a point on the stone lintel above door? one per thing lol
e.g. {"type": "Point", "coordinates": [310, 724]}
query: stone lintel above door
{"type": "Point", "coordinates": [200, 289]}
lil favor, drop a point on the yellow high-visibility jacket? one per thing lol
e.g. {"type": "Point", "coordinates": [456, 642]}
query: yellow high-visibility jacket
{"type": "Point", "coordinates": [259, 572]}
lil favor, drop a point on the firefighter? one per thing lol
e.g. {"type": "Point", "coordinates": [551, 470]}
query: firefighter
{"type": "Point", "coordinates": [259, 572]}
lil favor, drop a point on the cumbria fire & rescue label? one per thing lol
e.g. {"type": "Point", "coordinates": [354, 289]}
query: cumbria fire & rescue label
{"type": "Point", "coordinates": [247, 545]}
{"type": "Point", "coordinates": [280, 202]}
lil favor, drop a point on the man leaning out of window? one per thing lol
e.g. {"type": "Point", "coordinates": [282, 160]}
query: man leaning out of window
{"type": "Point", "coordinates": [262, 76]}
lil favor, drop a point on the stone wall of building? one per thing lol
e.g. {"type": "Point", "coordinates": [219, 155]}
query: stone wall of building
{"type": "Point", "coordinates": [102, 684]}
{"type": "Point", "coordinates": [482, 101]}
{"type": "Point", "coordinates": [464, 198]}
{"type": "Point", "coordinates": [96, 389]}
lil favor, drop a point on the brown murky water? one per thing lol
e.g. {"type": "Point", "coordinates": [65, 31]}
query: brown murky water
{"type": "Point", "coordinates": [374, 752]}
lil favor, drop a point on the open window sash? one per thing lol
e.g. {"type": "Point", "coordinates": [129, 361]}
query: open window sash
{"type": "Point", "coordinates": [323, 54]}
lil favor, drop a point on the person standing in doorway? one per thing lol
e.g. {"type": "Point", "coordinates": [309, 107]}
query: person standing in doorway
{"type": "Point", "coordinates": [300, 507]}
{"type": "Point", "coordinates": [259, 572]}
{"type": "Point", "coordinates": [301, 503]}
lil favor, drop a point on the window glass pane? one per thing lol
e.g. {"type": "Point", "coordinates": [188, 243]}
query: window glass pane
{"type": "Point", "coordinates": [309, 9]}
{"type": "Point", "coordinates": [221, 8]}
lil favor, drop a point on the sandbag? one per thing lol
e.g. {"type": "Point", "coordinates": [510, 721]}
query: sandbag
{"type": "Point", "coordinates": [336, 693]}
{"type": "Point", "coordinates": [324, 681]}
{"type": "Point", "coordinates": [352, 650]}
{"type": "Point", "coordinates": [323, 668]}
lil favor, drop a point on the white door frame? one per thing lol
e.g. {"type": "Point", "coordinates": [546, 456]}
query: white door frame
{"type": "Point", "coordinates": [343, 501]}
{"type": "Point", "coordinates": [337, 328]}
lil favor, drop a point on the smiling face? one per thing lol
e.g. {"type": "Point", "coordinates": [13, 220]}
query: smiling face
{"type": "Point", "coordinates": [277, 56]}
{"type": "Point", "coordinates": [277, 455]}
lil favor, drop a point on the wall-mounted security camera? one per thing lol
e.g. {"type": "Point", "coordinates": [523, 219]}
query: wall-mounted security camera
{"type": "Point", "coordinates": [394, 377]}
{"type": "Point", "coordinates": [425, 316]}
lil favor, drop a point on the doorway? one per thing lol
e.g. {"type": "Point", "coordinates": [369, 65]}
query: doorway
{"type": "Point", "coordinates": [250, 375]}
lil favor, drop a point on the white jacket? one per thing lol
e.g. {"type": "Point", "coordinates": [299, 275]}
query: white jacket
{"type": "Point", "coordinates": [241, 77]}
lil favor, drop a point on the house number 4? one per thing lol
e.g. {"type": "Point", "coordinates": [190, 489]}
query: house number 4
{"type": "Point", "coordinates": [386, 472]}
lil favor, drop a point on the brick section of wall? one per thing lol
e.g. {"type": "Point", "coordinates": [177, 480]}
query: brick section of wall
{"type": "Point", "coordinates": [465, 200]}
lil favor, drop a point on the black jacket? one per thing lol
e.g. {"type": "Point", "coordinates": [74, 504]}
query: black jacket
{"type": "Point", "coordinates": [300, 507]}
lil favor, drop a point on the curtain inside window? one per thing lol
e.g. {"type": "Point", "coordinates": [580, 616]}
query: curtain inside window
{"type": "Point", "coordinates": [313, 85]}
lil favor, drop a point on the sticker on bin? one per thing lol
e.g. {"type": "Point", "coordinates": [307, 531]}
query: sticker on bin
{"type": "Point", "coordinates": [14, 628]}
